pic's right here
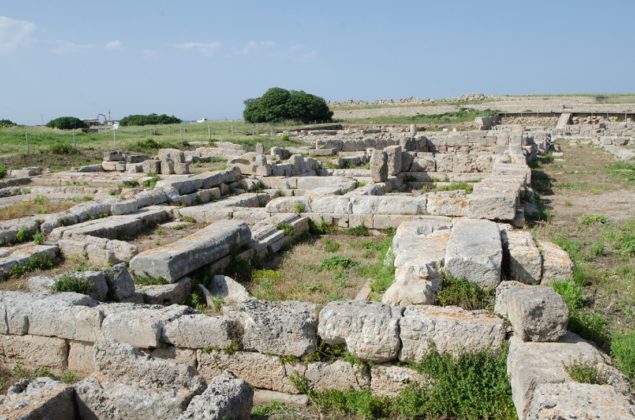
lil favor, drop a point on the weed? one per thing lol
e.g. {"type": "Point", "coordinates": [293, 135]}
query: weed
{"type": "Point", "coordinates": [360, 230]}
{"type": "Point", "coordinates": [63, 149]}
{"type": "Point", "coordinates": [584, 373]}
{"type": "Point", "coordinates": [337, 261]}
{"type": "Point", "coordinates": [269, 409]}
{"type": "Point", "coordinates": [197, 302]}
{"type": "Point", "coordinates": [571, 293]}
{"type": "Point", "coordinates": [321, 228]}
{"type": "Point", "coordinates": [129, 183]}
{"type": "Point", "coordinates": [464, 293]}
{"type": "Point", "coordinates": [3, 170]}
{"type": "Point", "coordinates": [36, 262]}
{"type": "Point", "coordinates": [331, 246]}
{"type": "Point", "coordinates": [464, 186]}
{"type": "Point", "coordinates": [623, 351]}
{"type": "Point", "coordinates": [264, 281]}
{"type": "Point", "coordinates": [217, 303]}
{"type": "Point", "coordinates": [147, 280]}
{"type": "Point", "coordinates": [597, 249]}
{"type": "Point", "coordinates": [73, 283]}
{"type": "Point", "coordinates": [590, 325]}
{"type": "Point", "coordinates": [287, 229]}
{"type": "Point", "coordinates": [68, 377]}
{"type": "Point", "coordinates": [188, 219]}
{"type": "Point", "coordinates": [299, 207]}
{"type": "Point", "coordinates": [589, 219]}
{"type": "Point", "coordinates": [622, 170]}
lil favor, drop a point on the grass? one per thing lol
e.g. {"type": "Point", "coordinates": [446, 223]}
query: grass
{"type": "Point", "coordinates": [288, 229]}
{"type": "Point", "coordinates": [331, 245]}
{"type": "Point", "coordinates": [36, 262]}
{"type": "Point", "coordinates": [470, 386]}
{"type": "Point", "coordinates": [9, 377]}
{"type": "Point", "coordinates": [464, 293]}
{"type": "Point", "coordinates": [589, 219]}
{"type": "Point", "coordinates": [37, 205]}
{"type": "Point", "coordinates": [622, 170]}
{"type": "Point", "coordinates": [623, 351]}
{"type": "Point", "coordinates": [585, 373]}
{"type": "Point", "coordinates": [142, 280]}
{"type": "Point", "coordinates": [464, 186]}
{"type": "Point", "coordinates": [73, 283]}
{"type": "Point", "coordinates": [463, 115]}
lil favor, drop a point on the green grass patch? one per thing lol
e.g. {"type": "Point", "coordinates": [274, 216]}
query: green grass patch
{"type": "Point", "coordinates": [585, 373]}
{"type": "Point", "coordinates": [73, 283]}
{"type": "Point", "coordinates": [36, 262]}
{"type": "Point", "coordinates": [460, 186]}
{"type": "Point", "coordinates": [623, 351]}
{"type": "Point", "coordinates": [464, 293]}
{"type": "Point", "coordinates": [287, 229]}
{"type": "Point", "coordinates": [130, 183]}
{"type": "Point", "coordinates": [336, 261]}
{"type": "Point", "coordinates": [360, 230]}
{"type": "Point", "coordinates": [463, 115]}
{"type": "Point", "coordinates": [590, 219]}
{"type": "Point", "coordinates": [142, 280]}
{"type": "Point", "coordinates": [331, 246]}
{"type": "Point", "coordinates": [622, 170]}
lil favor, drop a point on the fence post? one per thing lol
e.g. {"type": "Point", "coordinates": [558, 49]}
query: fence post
{"type": "Point", "coordinates": [26, 139]}
{"type": "Point", "coordinates": [209, 133]}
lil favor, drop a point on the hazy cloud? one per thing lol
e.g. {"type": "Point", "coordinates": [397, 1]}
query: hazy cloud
{"type": "Point", "coordinates": [113, 45]}
{"type": "Point", "coordinates": [204, 48]}
{"type": "Point", "coordinates": [254, 46]}
{"type": "Point", "coordinates": [15, 34]}
{"type": "Point", "coordinates": [67, 47]}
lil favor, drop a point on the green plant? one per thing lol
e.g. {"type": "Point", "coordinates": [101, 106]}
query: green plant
{"type": "Point", "coordinates": [63, 149]}
{"type": "Point", "coordinates": [68, 377]}
{"type": "Point", "coordinates": [73, 283]}
{"type": "Point", "coordinates": [331, 245]}
{"type": "Point", "coordinates": [623, 351]}
{"type": "Point", "coordinates": [217, 303]}
{"type": "Point", "coordinates": [571, 292]}
{"type": "Point", "coordinates": [299, 207]}
{"type": "Point", "coordinates": [36, 262]}
{"type": "Point", "coordinates": [150, 119]}
{"type": "Point", "coordinates": [589, 219]}
{"type": "Point", "coordinates": [464, 293]}
{"type": "Point", "coordinates": [197, 302]}
{"type": "Point", "coordinates": [585, 373]}
{"type": "Point", "coordinates": [129, 183]}
{"type": "Point", "coordinates": [464, 186]}
{"type": "Point", "coordinates": [278, 104]}
{"type": "Point", "coordinates": [336, 261]}
{"type": "Point", "coordinates": [622, 170]}
{"type": "Point", "coordinates": [7, 123]}
{"type": "Point", "coordinates": [3, 170]}
{"type": "Point", "coordinates": [38, 238]}
{"type": "Point", "coordinates": [284, 137]}
{"type": "Point", "coordinates": [360, 230]}
{"type": "Point", "coordinates": [188, 219]}
{"type": "Point", "coordinates": [288, 229]}
{"type": "Point", "coordinates": [43, 371]}
{"type": "Point", "coordinates": [147, 280]}
{"type": "Point", "coordinates": [23, 234]}
{"type": "Point", "coordinates": [67, 123]}
{"type": "Point", "coordinates": [321, 228]}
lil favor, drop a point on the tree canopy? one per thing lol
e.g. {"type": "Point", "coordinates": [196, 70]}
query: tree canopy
{"type": "Point", "coordinates": [67, 123]}
{"type": "Point", "coordinates": [278, 104]}
{"type": "Point", "coordinates": [150, 119]}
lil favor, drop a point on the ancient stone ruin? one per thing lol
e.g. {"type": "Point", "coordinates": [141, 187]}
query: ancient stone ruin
{"type": "Point", "coordinates": [142, 352]}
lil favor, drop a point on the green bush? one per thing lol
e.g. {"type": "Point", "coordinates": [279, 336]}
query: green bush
{"type": "Point", "coordinates": [623, 350]}
{"type": "Point", "coordinates": [331, 245]}
{"type": "Point", "coordinates": [3, 170]}
{"type": "Point", "coordinates": [150, 119]}
{"type": "Point", "coordinates": [23, 235]}
{"type": "Point", "coordinates": [464, 293]}
{"type": "Point", "coordinates": [278, 104]}
{"type": "Point", "coordinates": [7, 123]}
{"type": "Point", "coordinates": [38, 238]}
{"type": "Point", "coordinates": [360, 230]}
{"type": "Point", "coordinates": [63, 149]}
{"type": "Point", "coordinates": [67, 123]}
{"type": "Point", "coordinates": [321, 228]}
{"type": "Point", "coordinates": [73, 283]}
{"type": "Point", "coordinates": [337, 261]}
{"type": "Point", "coordinates": [288, 229]}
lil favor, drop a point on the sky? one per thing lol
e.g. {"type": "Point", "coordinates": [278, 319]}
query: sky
{"type": "Point", "coordinates": [198, 59]}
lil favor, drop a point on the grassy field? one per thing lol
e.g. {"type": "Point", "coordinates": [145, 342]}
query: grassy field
{"type": "Point", "coordinates": [448, 118]}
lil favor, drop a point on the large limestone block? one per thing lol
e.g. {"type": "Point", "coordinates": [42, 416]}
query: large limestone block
{"type": "Point", "coordinates": [530, 364]}
{"type": "Point", "coordinates": [39, 398]}
{"type": "Point", "coordinates": [536, 313]}
{"type": "Point", "coordinates": [226, 397]}
{"type": "Point", "coordinates": [370, 330]}
{"type": "Point", "coordinates": [259, 370]}
{"type": "Point", "coordinates": [393, 160]}
{"type": "Point", "coordinates": [475, 252]}
{"type": "Point", "coordinates": [556, 263]}
{"type": "Point", "coordinates": [120, 283]}
{"type": "Point", "coordinates": [493, 204]}
{"type": "Point", "coordinates": [80, 357]}
{"type": "Point", "coordinates": [379, 166]}
{"type": "Point", "coordinates": [30, 350]}
{"type": "Point", "coordinates": [373, 205]}
{"type": "Point", "coordinates": [176, 260]}
{"type": "Point", "coordinates": [579, 401]}
{"type": "Point", "coordinates": [450, 329]}
{"type": "Point", "coordinates": [229, 290]}
{"type": "Point", "coordinates": [199, 331]}
{"type": "Point", "coordinates": [336, 375]}
{"type": "Point", "coordinates": [167, 294]}
{"type": "Point", "coordinates": [281, 328]}
{"type": "Point", "coordinates": [65, 315]}
{"type": "Point", "coordinates": [447, 203]}
{"type": "Point", "coordinates": [525, 261]}
{"type": "Point", "coordinates": [388, 380]}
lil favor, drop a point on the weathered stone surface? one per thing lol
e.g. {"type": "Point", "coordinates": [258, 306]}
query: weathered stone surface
{"type": "Point", "coordinates": [393, 156]}
{"type": "Point", "coordinates": [388, 380]}
{"type": "Point", "coordinates": [39, 398]}
{"type": "Point", "coordinates": [450, 329]}
{"type": "Point", "coordinates": [336, 375]}
{"type": "Point", "coordinates": [370, 330]}
{"type": "Point", "coordinates": [226, 397]}
{"type": "Point", "coordinates": [572, 400]}
{"type": "Point", "coordinates": [374, 205]}
{"type": "Point", "coordinates": [556, 263]}
{"type": "Point", "coordinates": [536, 313]}
{"type": "Point", "coordinates": [80, 357]}
{"type": "Point", "coordinates": [22, 254]}
{"type": "Point", "coordinates": [176, 260]}
{"type": "Point", "coordinates": [474, 252]}
{"type": "Point", "coordinates": [167, 294]}
{"type": "Point", "coordinates": [120, 283]}
{"type": "Point", "coordinates": [41, 284]}
{"type": "Point", "coordinates": [531, 364]}
{"type": "Point", "coordinates": [281, 328]}
{"type": "Point", "coordinates": [32, 350]}
{"type": "Point", "coordinates": [229, 290]}
{"type": "Point", "coordinates": [199, 331]}
{"type": "Point", "coordinates": [259, 370]}
{"type": "Point", "coordinates": [176, 355]}
{"type": "Point", "coordinates": [65, 315]}
{"type": "Point", "coordinates": [379, 166]}
{"type": "Point", "coordinates": [525, 261]}
{"type": "Point", "coordinates": [265, 396]}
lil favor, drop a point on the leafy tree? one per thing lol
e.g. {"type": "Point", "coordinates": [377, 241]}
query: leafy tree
{"type": "Point", "coordinates": [7, 123]}
{"type": "Point", "coordinates": [67, 123]}
{"type": "Point", "coordinates": [150, 119]}
{"type": "Point", "coordinates": [278, 104]}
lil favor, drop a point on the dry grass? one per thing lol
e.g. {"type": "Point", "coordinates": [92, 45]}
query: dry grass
{"type": "Point", "coordinates": [318, 270]}
{"type": "Point", "coordinates": [37, 205]}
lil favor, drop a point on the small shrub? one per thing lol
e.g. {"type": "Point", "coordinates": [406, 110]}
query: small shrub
{"type": "Point", "coordinates": [590, 219]}
{"type": "Point", "coordinates": [68, 377]}
{"type": "Point", "coordinates": [267, 410]}
{"type": "Point", "coordinates": [73, 283]}
{"type": "Point", "coordinates": [4, 123]}
{"type": "Point", "coordinates": [331, 245]}
{"type": "Point", "coordinates": [38, 238]}
{"type": "Point", "coordinates": [63, 149]}
{"type": "Point", "coordinates": [36, 262]}
{"type": "Point", "coordinates": [287, 229]}
{"type": "Point", "coordinates": [284, 137]}
{"type": "Point", "coordinates": [151, 182]}
{"type": "Point", "coordinates": [43, 371]}
{"type": "Point", "coordinates": [23, 235]}
{"type": "Point", "coordinates": [299, 207]}
{"type": "Point", "coordinates": [464, 293]}
{"type": "Point", "coordinates": [67, 123]}
{"type": "Point", "coordinates": [360, 230]}
{"type": "Point", "coordinates": [584, 373]}
{"type": "Point", "coordinates": [3, 170]}
{"type": "Point", "coordinates": [150, 119]}
{"type": "Point", "coordinates": [623, 351]}
{"type": "Point", "coordinates": [129, 183]}
{"type": "Point", "coordinates": [149, 280]}
{"type": "Point", "coordinates": [337, 261]}
{"type": "Point", "coordinates": [188, 219]}
{"type": "Point", "coordinates": [321, 228]}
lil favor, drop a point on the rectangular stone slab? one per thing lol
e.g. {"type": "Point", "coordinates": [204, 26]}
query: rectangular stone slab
{"type": "Point", "coordinates": [176, 260]}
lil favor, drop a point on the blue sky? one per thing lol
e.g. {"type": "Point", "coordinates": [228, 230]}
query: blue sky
{"type": "Point", "coordinates": [203, 58]}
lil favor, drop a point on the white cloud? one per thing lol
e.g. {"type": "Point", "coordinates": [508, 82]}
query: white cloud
{"type": "Point", "coordinates": [15, 34]}
{"type": "Point", "coordinates": [113, 45]}
{"type": "Point", "coordinates": [67, 47]}
{"type": "Point", "coordinates": [253, 46]}
{"type": "Point", "coordinates": [205, 48]}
